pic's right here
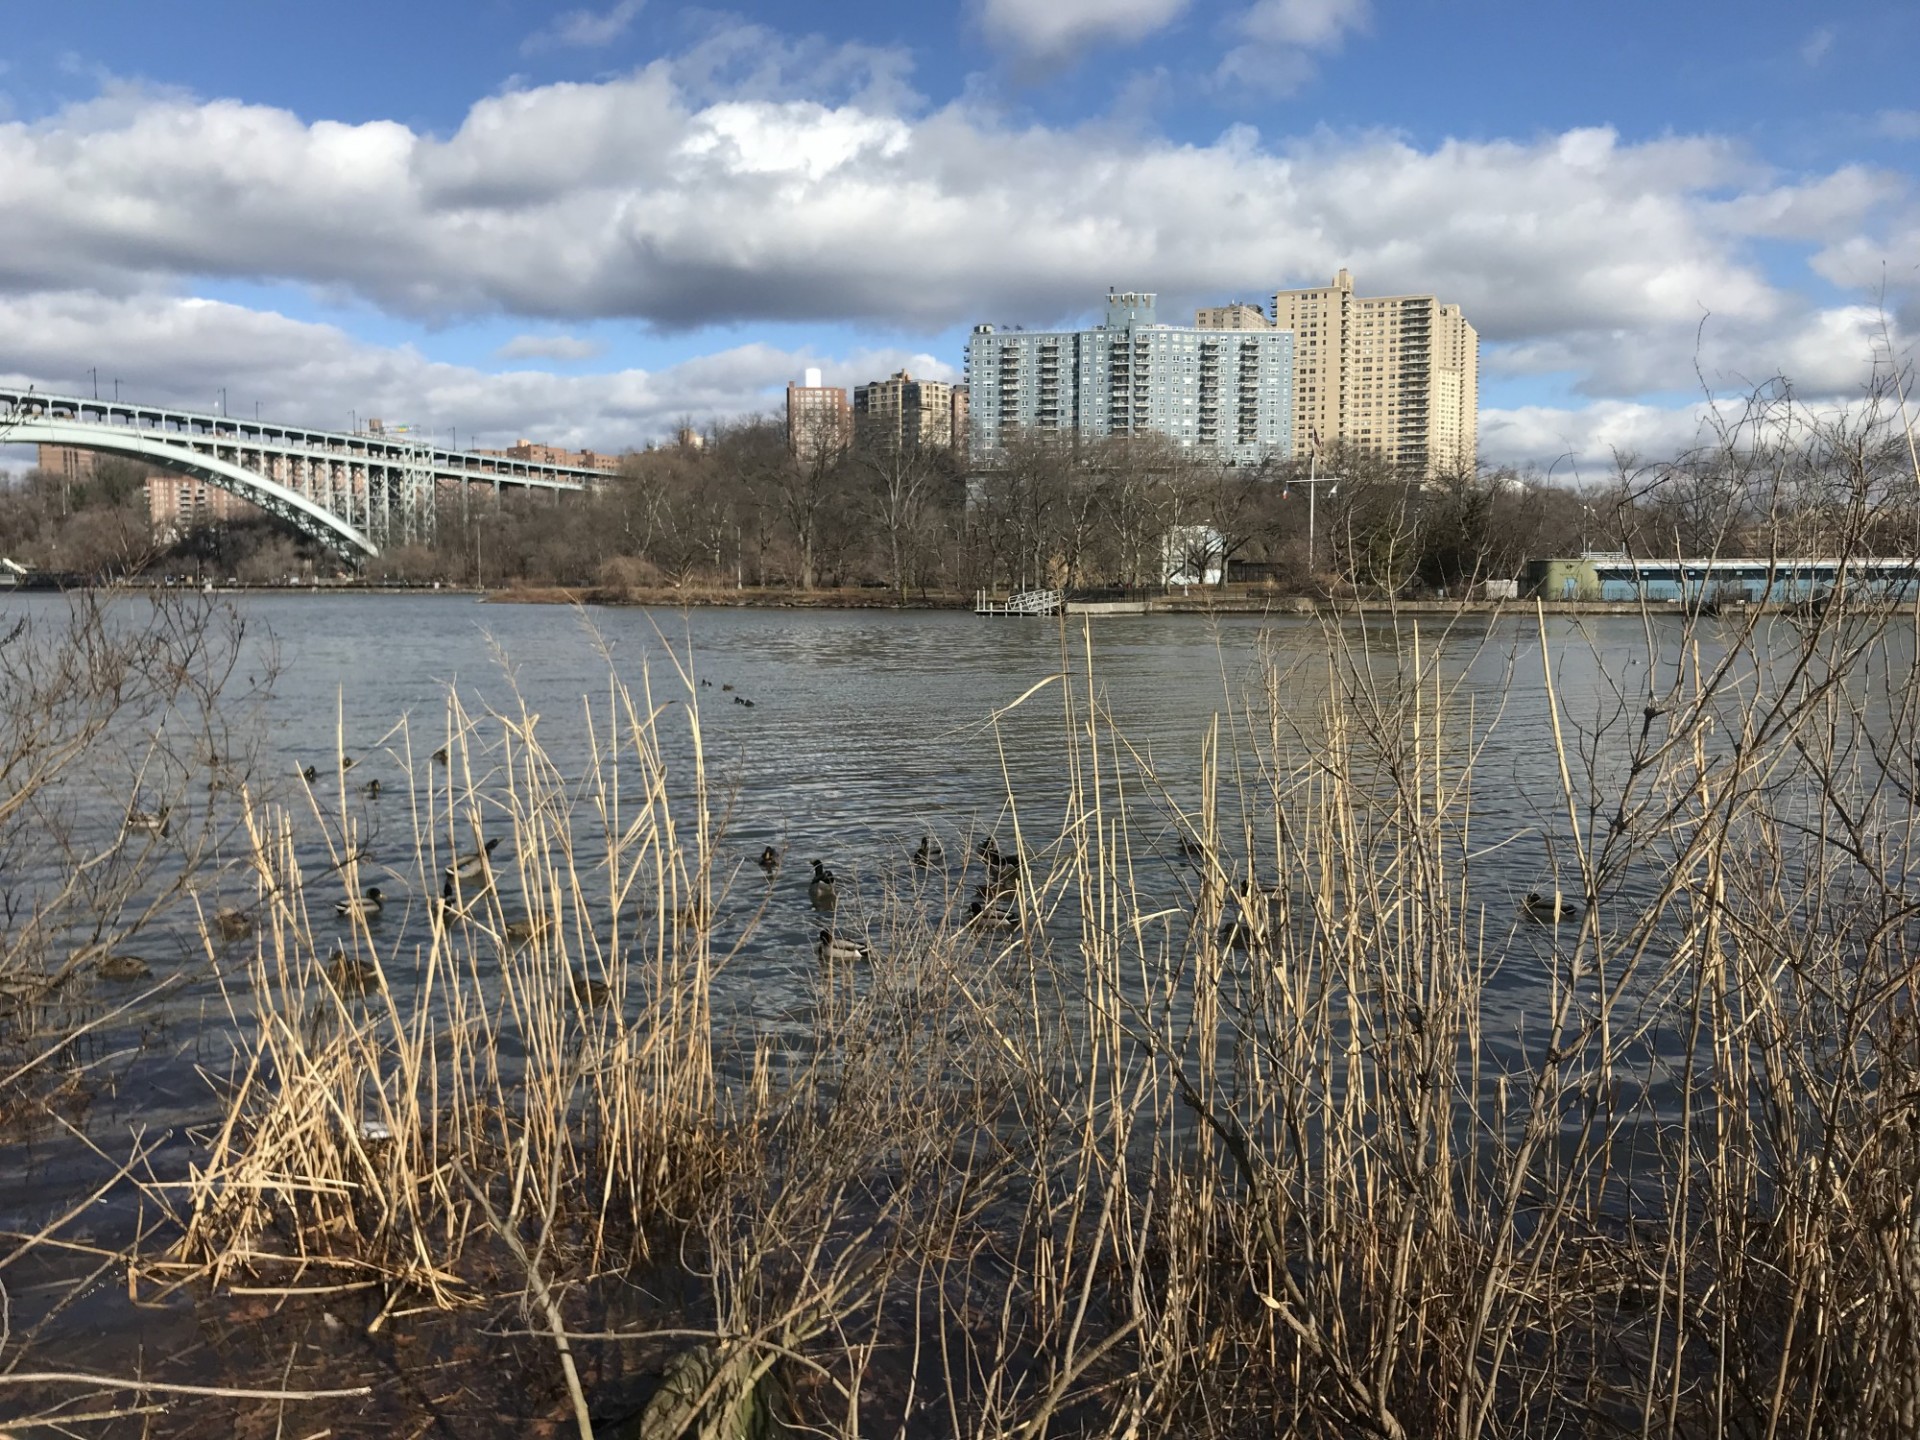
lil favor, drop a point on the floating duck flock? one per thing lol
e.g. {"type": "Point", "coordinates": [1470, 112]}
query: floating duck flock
{"type": "Point", "coordinates": [994, 909]}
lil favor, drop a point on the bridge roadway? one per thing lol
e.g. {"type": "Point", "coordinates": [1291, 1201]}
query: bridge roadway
{"type": "Point", "coordinates": [352, 492]}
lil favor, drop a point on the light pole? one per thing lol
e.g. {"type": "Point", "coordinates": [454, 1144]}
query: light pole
{"type": "Point", "coordinates": [1313, 482]}
{"type": "Point", "coordinates": [223, 400]}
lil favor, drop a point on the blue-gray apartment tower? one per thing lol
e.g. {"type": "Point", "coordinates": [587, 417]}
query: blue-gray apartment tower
{"type": "Point", "coordinates": [1228, 391]}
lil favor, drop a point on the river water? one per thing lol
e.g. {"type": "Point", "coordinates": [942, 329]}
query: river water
{"type": "Point", "coordinates": [865, 731]}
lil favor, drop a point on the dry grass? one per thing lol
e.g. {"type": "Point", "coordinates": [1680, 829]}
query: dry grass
{"type": "Point", "coordinates": [1322, 1142]}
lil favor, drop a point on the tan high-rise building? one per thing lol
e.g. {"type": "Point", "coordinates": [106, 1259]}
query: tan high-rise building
{"type": "Point", "coordinates": [819, 420]}
{"type": "Point", "coordinates": [1398, 375]}
{"type": "Point", "coordinates": [903, 412]}
{"type": "Point", "coordinates": [1240, 315]}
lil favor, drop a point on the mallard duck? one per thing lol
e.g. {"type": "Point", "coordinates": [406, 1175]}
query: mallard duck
{"type": "Point", "coordinates": [469, 867]}
{"type": "Point", "coordinates": [371, 789]}
{"type": "Point", "coordinates": [1191, 847]}
{"type": "Point", "coordinates": [981, 916]}
{"type": "Point", "coordinates": [998, 862]}
{"type": "Point", "coordinates": [769, 859]}
{"type": "Point", "coordinates": [346, 762]}
{"type": "Point", "coordinates": [1549, 909]}
{"type": "Point", "coordinates": [1239, 932]}
{"type": "Point", "coordinates": [830, 950]}
{"type": "Point", "coordinates": [519, 932]}
{"type": "Point", "coordinates": [122, 967]}
{"type": "Point", "coordinates": [929, 852]}
{"type": "Point", "coordinates": [232, 924]}
{"type": "Point", "coordinates": [590, 992]}
{"type": "Point", "coordinates": [820, 889]}
{"type": "Point", "coordinates": [309, 773]}
{"type": "Point", "coordinates": [149, 822]}
{"type": "Point", "coordinates": [440, 756]}
{"type": "Point", "coordinates": [742, 700]}
{"type": "Point", "coordinates": [363, 906]}
{"type": "Point", "coordinates": [694, 915]}
{"type": "Point", "coordinates": [350, 976]}
{"type": "Point", "coordinates": [726, 687]}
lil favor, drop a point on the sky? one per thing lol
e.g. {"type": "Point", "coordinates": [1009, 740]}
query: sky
{"type": "Point", "coordinates": [587, 225]}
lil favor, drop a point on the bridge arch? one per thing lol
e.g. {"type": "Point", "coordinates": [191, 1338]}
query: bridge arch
{"type": "Point", "coordinates": [314, 521]}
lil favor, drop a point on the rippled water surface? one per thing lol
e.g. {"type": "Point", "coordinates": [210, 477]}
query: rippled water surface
{"type": "Point", "coordinates": [866, 730]}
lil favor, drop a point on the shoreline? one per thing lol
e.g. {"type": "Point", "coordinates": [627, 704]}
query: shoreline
{"type": "Point", "coordinates": [869, 598]}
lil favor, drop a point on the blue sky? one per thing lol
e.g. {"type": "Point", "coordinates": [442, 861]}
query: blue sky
{"type": "Point", "coordinates": [587, 223]}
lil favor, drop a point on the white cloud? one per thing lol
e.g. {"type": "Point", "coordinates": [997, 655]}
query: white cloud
{"type": "Point", "coordinates": [1281, 37]}
{"type": "Point", "coordinates": [1898, 124]}
{"type": "Point", "coordinates": [1816, 46]}
{"type": "Point", "coordinates": [1057, 29]}
{"type": "Point", "coordinates": [587, 29]}
{"type": "Point", "coordinates": [662, 196]}
{"type": "Point", "coordinates": [550, 347]}
{"type": "Point", "coordinates": [181, 352]}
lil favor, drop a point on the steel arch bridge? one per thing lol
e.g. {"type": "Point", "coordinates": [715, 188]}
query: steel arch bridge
{"type": "Point", "coordinates": [353, 493]}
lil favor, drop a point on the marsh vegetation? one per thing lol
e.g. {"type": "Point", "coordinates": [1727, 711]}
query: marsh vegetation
{"type": "Point", "coordinates": [1252, 1114]}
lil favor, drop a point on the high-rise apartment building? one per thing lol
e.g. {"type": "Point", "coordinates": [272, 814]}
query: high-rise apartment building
{"type": "Point", "coordinates": [819, 420]}
{"type": "Point", "coordinates": [1398, 375]}
{"type": "Point", "coordinates": [1240, 315]}
{"type": "Point", "coordinates": [904, 413]}
{"type": "Point", "coordinates": [1224, 390]}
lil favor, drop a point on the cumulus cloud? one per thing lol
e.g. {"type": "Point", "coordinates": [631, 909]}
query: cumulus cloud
{"type": "Point", "coordinates": [550, 347]}
{"type": "Point", "coordinates": [587, 29]}
{"type": "Point", "coordinates": [1056, 29]}
{"type": "Point", "coordinates": [176, 351]}
{"type": "Point", "coordinates": [691, 194]}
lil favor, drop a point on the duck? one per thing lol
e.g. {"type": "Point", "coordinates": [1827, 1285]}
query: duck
{"type": "Point", "coordinates": [590, 992]}
{"type": "Point", "coordinates": [1192, 847]}
{"type": "Point", "coordinates": [346, 762]}
{"type": "Point", "coordinates": [372, 789]}
{"type": "Point", "coordinates": [769, 859]}
{"type": "Point", "coordinates": [694, 915]}
{"type": "Point", "coordinates": [150, 822]}
{"type": "Point", "coordinates": [1549, 909]}
{"type": "Point", "coordinates": [521, 932]}
{"type": "Point", "coordinates": [929, 852]}
{"type": "Point", "coordinates": [1240, 933]}
{"type": "Point", "coordinates": [981, 916]}
{"type": "Point", "coordinates": [725, 688]}
{"type": "Point", "coordinates": [122, 967]}
{"type": "Point", "coordinates": [470, 866]}
{"type": "Point", "coordinates": [309, 773]}
{"type": "Point", "coordinates": [998, 862]}
{"type": "Point", "coordinates": [440, 756]}
{"type": "Point", "coordinates": [820, 889]}
{"type": "Point", "coordinates": [742, 700]}
{"type": "Point", "coordinates": [232, 924]}
{"type": "Point", "coordinates": [829, 949]}
{"type": "Point", "coordinates": [361, 906]}
{"type": "Point", "coordinates": [350, 976]}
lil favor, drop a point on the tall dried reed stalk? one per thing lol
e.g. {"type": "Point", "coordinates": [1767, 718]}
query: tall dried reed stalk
{"type": "Point", "coordinates": [1327, 1139]}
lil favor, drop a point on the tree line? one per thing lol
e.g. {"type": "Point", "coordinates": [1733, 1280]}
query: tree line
{"type": "Point", "coordinates": [743, 510]}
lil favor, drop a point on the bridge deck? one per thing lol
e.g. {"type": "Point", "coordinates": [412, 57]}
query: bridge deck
{"type": "Point", "coordinates": [192, 427]}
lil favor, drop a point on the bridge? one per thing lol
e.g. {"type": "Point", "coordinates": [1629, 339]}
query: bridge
{"type": "Point", "coordinates": [352, 492]}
